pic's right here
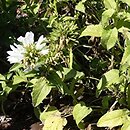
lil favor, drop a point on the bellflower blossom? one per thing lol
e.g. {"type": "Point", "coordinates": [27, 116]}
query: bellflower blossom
{"type": "Point", "coordinates": [28, 52]}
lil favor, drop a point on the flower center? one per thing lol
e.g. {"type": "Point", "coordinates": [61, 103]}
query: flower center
{"type": "Point", "coordinates": [31, 56]}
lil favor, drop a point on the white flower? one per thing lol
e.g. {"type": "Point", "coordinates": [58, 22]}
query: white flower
{"type": "Point", "coordinates": [17, 53]}
{"type": "Point", "coordinates": [41, 45]}
{"type": "Point", "coordinates": [27, 40]}
{"type": "Point", "coordinates": [29, 52]}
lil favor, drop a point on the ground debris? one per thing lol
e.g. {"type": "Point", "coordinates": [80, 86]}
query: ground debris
{"type": "Point", "coordinates": [5, 122]}
{"type": "Point", "coordinates": [36, 126]}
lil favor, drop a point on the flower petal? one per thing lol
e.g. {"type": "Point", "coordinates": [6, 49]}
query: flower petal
{"type": "Point", "coordinates": [29, 38]}
{"type": "Point", "coordinates": [12, 53]}
{"type": "Point", "coordinates": [13, 48]}
{"type": "Point", "coordinates": [40, 46]}
{"type": "Point", "coordinates": [44, 52]}
{"type": "Point", "coordinates": [16, 54]}
{"type": "Point", "coordinates": [20, 48]}
{"type": "Point", "coordinates": [21, 39]}
{"type": "Point", "coordinates": [12, 59]}
{"type": "Point", "coordinates": [41, 42]}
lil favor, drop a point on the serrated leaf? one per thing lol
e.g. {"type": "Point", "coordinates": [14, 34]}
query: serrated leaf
{"type": "Point", "coordinates": [113, 118]}
{"type": "Point", "coordinates": [126, 1]}
{"type": "Point", "coordinates": [54, 122]}
{"type": "Point", "coordinates": [80, 111]}
{"type": "Point", "coordinates": [40, 90]}
{"type": "Point", "coordinates": [106, 15]}
{"type": "Point", "coordinates": [80, 7]}
{"type": "Point", "coordinates": [110, 4]}
{"type": "Point", "coordinates": [93, 30]}
{"type": "Point", "coordinates": [126, 126]}
{"type": "Point", "coordinates": [109, 38]}
{"type": "Point", "coordinates": [109, 78]}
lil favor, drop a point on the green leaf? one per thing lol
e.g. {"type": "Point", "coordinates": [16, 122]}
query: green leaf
{"type": "Point", "coordinates": [109, 78]}
{"type": "Point", "coordinates": [126, 126]}
{"type": "Point", "coordinates": [69, 73]}
{"type": "Point", "coordinates": [52, 119]}
{"type": "Point", "coordinates": [126, 1]}
{"type": "Point", "coordinates": [109, 38]}
{"type": "Point", "coordinates": [40, 90]}
{"type": "Point", "coordinates": [72, 73]}
{"type": "Point", "coordinates": [56, 81]}
{"type": "Point", "coordinates": [79, 75]}
{"type": "Point", "coordinates": [2, 78]}
{"type": "Point", "coordinates": [6, 89]}
{"type": "Point", "coordinates": [36, 9]}
{"type": "Point", "coordinates": [110, 4]}
{"type": "Point", "coordinates": [49, 112]}
{"type": "Point", "coordinates": [15, 67]}
{"type": "Point", "coordinates": [126, 56]}
{"type": "Point", "coordinates": [93, 30]}
{"type": "Point", "coordinates": [19, 79]}
{"type": "Point", "coordinates": [107, 14]}
{"type": "Point", "coordinates": [123, 30]}
{"type": "Point", "coordinates": [105, 102]}
{"type": "Point", "coordinates": [80, 111]}
{"type": "Point", "coordinates": [54, 122]}
{"type": "Point", "coordinates": [113, 118]}
{"type": "Point", "coordinates": [80, 7]}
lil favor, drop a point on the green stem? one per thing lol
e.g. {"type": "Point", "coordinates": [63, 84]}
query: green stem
{"type": "Point", "coordinates": [55, 7]}
{"type": "Point", "coordinates": [129, 96]}
{"type": "Point", "coordinates": [71, 58]}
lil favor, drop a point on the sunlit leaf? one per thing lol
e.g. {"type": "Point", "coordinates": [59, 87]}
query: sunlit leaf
{"type": "Point", "coordinates": [80, 7]}
{"type": "Point", "coordinates": [109, 78]}
{"type": "Point", "coordinates": [54, 122]}
{"type": "Point", "coordinates": [80, 111]}
{"type": "Point", "coordinates": [19, 79]}
{"type": "Point", "coordinates": [49, 112]}
{"type": "Point", "coordinates": [113, 118]}
{"type": "Point", "coordinates": [109, 38]}
{"type": "Point", "coordinates": [126, 126]}
{"type": "Point", "coordinates": [93, 30]}
{"type": "Point", "coordinates": [2, 78]}
{"type": "Point", "coordinates": [110, 4]}
{"type": "Point", "coordinates": [16, 67]}
{"type": "Point", "coordinates": [36, 9]}
{"type": "Point", "coordinates": [40, 90]}
{"type": "Point", "coordinates": [126, 55]}
{"type": "Point", "coordinates": [107, 14]}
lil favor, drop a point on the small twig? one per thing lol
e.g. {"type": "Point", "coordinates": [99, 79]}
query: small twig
{"type": "Point", "coordinates": [92, 78]}
{"type": "Point", "coordinates": [112, 63]}
{"type": "Point", "coordinates": [113, 106]}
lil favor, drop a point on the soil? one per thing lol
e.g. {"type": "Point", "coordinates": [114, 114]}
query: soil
{"type": "Point", "coordinates": [19, 112]}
